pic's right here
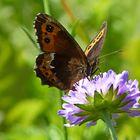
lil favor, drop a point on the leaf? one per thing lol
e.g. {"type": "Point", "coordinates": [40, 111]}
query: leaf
{"type": "Point", "coordinates": [29, 36]}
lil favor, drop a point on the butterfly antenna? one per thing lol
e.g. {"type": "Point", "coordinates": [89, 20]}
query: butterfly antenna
{"type": "Point", "coordinates": [101, 62]}
{"type": "Point", "coordinates": [114, 52]}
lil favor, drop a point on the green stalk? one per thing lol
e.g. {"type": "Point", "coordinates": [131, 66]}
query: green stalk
{"type": "Point", "coordinates": [107, 119]}
{"type": "Point", "coordinates": [63, 119]}
{"type": "Point", "coordinates": [46, 6]}
{"type": "Point", "coordinates": [47, 10]}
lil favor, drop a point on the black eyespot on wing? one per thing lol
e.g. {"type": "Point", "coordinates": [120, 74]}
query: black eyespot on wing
{"type": "Point", "coordinates": [47, 40]}
{"type": "Point", "coordinates": [49, 28]}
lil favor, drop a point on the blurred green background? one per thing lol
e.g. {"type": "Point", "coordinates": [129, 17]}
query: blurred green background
{"type": "Point", "coordinates": [28, 110]}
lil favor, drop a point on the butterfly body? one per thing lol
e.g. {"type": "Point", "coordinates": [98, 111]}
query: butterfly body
{"type": "Point", "coordinates": [62, 62]}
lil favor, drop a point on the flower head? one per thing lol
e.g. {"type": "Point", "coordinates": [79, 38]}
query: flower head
{"type": "Point", "coordinates": [108, 91]}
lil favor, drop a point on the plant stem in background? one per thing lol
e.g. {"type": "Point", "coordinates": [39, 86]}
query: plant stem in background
{"type": "Point", "coordinates": [46, 6]}
{"type": "Point", "coordinates": [63, 119]}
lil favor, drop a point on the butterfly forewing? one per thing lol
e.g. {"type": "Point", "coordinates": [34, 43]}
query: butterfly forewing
{"type": "Point", "coordinates": [53, 37]}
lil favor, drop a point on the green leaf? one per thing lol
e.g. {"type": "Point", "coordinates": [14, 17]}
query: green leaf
{"type": "Point", "coordinates": [29, 36]}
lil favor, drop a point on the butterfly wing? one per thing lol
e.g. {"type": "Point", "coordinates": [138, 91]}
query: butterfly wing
{"type": "Point", "coordinates": [62, 62]}
{"type": "Point", "coordinates": [93, 50]}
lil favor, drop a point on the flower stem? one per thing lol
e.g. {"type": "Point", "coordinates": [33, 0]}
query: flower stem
{"type": "Point", "coordinates": [108, 122]}
{"type": "Point", "coordinates": [63, 119]}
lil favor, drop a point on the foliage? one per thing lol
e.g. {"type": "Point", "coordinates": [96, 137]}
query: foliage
{"type": "Point", "coordinates": [28, 110]}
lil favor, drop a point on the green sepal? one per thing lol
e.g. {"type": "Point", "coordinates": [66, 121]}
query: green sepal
{"type": "Point", "coordinates": [98, 99]}
{"type": "Point", "coordinates": [134, 109]}
{"type": "Point", "coordinates": [84, 113]}
{"type": "Point", "coordinates": [117, 101]}
{"type": "Point", "coordinates": [118, 111]}
{"type": "Point", "coordinates": [90, 118]}
{"type": "Point", "coordinates": [90, 99]}
{"type": "Point", "coordinates": [124, 103]}
{"type": "Point", "coordinates": [139, 101]}
{"type": "Point", "coordinates": [109, 94]}
{"type": "Point", "coordinates": [85, 107]}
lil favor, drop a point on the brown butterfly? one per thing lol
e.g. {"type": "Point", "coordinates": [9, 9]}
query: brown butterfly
{"type": "Point", "coordinates": [62, 62]}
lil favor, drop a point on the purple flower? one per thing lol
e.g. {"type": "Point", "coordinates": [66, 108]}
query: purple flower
{"type": "Point", "coordinates": [108, 91]}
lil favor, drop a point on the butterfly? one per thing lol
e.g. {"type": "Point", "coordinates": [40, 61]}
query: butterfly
{"type": "Point", "coordinates": [62, 62]}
